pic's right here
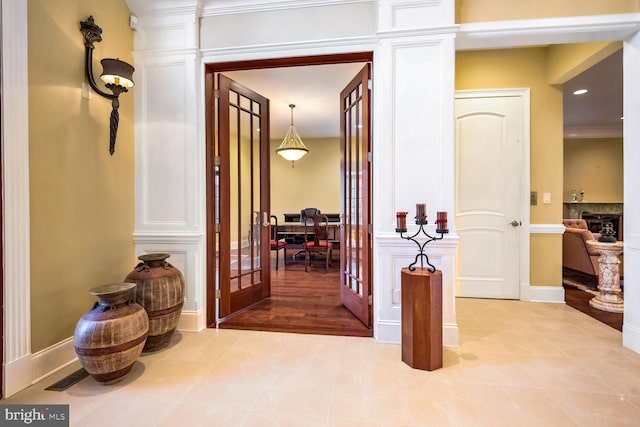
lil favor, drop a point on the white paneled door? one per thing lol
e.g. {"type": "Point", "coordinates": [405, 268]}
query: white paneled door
{"type": "Point", "coordinates": [489, 165]}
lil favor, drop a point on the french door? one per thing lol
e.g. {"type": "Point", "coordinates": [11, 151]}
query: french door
{"type": "Point", "coordinates": [355, 240]}
{"type": "Point", "coordinates": [241, 197]}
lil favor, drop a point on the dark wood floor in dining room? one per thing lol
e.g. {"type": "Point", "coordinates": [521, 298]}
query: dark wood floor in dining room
{"type": "Point", "coordinates": [301, 302]}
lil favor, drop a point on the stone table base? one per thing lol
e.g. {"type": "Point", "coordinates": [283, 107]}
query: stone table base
{"type": "Point", "coordinates": [610, 297]}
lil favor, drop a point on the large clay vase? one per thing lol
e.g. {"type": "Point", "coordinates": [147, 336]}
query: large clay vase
{"type": "Point", "coordinates": [160, 290]}
{"type": "Point", "coordinates": [109, 338]}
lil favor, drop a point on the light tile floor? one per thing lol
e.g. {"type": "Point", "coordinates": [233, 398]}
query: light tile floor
{"type": "Point", "coordinates": [518, 364]}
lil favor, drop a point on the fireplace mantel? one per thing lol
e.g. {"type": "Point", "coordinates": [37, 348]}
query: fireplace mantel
{"type": "Point", "coordinates": [576, 209]}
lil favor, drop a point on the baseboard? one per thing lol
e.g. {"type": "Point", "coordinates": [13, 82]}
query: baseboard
{"type": "Point", "coordinates": [52, 359]}
{"type": "Point", "coordinates": [17, 375]}
{"type": "Point", "coordinates": [631, 337]}
{"type": "Point", "coordinates": [450, 335]}
{"type": "Point", "coordinates": [553, 294]}
{"type": "Point", "coordinates": [192, 321]}
{"type": "Point", "coordinates": [387, 331]}
{"type": "Point", "coordinates": [391, 332]}
{"type": "Point", "coordinates": [32, 368]}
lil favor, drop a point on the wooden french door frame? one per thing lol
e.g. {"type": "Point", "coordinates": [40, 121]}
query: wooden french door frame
{"type": "Point", "coordinates": [212, 170]}
{"type": "Point", "coordinates": [241, 197]}
{"type": "Point", "coordinates": [355, 180]}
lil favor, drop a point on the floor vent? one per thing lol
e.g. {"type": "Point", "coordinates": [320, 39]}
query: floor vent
{"type": "Point", "coordinates": [69, 380]}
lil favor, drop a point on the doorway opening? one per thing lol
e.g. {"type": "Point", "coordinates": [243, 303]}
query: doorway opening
{"type": "Point", "coordinates": [243, 102]}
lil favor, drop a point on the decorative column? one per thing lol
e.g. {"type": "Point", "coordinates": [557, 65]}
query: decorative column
{"type": "Point", "coordinates": [414, 69]}
{"type": "Point", "coordinates": [610, 297]}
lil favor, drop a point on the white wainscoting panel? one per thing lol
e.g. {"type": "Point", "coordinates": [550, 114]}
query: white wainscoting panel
{"type": "Point", "coordinates": [392, 254]}
{"type": "Point", "coordinates": [188, 255]}
{"type": "Point", "coordinates": [406, 14]}
{"type": "Point", "coordinates": [169, 160]}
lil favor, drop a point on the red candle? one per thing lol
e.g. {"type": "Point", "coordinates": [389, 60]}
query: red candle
{"type": "Point", "coordinates": [401, 221]}
{"type": "Point", "coordinates": [421, 214]}
{"type": "Point", "coordinates": [441, 223]}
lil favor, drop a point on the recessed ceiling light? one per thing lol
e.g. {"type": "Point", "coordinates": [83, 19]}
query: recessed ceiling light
{"type": "Point", "coordinates": [580, 91]}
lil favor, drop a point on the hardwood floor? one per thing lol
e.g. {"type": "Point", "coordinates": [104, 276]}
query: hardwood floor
{"type": "Point", "coordinates": [579, 299]}
{"type": "Point", "coordinates": [301, 302]}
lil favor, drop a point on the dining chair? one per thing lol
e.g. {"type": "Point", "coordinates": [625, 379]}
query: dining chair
{"type": "Point", "coordinates": [277, 244]}
{"type": "Point", "coordinates": [316, 239]}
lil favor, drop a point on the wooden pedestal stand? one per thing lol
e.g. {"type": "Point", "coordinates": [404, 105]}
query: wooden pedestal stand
{"type": "Point", "coordinates": [422, 318]}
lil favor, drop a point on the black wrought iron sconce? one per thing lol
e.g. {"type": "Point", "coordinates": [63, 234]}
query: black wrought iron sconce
{"type": "Point", "coordinates": [117, 76]}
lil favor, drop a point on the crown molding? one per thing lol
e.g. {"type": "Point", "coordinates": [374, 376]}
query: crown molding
{"type": "Point", "coordinates": [164, 7]}
{"type": "Point", "coordinates": [229, 7]}
{"type": "Point", "coordinates": [531, 32]}
{"type": "Point", "coordinates": [580, 132]}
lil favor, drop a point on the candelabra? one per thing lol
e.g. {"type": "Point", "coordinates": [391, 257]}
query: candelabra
{"type": "Point", "coordinates": [421, 221]}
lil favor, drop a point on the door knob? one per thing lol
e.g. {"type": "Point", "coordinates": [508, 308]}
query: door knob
{"type": "Point", "coordinates": [515, 223]}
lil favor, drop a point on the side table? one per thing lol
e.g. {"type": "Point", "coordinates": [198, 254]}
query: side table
{"type": "Point", "coordinates": [610, 297]}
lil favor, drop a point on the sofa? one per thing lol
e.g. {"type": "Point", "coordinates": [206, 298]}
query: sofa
{"type": "Point", "coordinates": [576, 254]}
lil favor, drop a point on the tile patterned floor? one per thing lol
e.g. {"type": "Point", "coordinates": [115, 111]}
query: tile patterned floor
{"type": "Point", "coordinates": [518, 364]}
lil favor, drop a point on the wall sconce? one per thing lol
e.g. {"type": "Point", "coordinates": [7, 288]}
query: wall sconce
{"type": "Point", "coordinates": [117, 76]}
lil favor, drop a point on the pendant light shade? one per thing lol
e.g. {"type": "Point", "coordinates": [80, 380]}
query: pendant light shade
{"type": "Point", "coordinates": [292, 148]}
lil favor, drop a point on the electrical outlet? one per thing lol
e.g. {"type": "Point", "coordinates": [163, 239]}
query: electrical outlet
{"type": "Point", "coordinates": [534, 198]}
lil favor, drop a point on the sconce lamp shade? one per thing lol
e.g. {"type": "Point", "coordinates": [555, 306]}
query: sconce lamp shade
{"type": "Point", "coordinates": [117, 76]}
{"type": "Point", "coordinates": [292, 148]}
{"type": "Point", "coordinates": [117, 72]}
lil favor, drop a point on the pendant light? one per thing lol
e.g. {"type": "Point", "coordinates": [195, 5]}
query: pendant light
{"type": "Point", "coordinates": [292, 148]}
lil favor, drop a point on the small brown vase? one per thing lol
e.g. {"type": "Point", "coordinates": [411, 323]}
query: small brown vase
{"type": "Point", "coordinates": [109, 338]}
{"type": "Point", "coordinates": [160, 290]}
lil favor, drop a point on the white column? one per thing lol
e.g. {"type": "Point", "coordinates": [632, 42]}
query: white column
{"type": "Point", "coordinates": [170, 156]}
{"type": "Point", "coordinates": [15, 169]}
{"type": "Point", "coordinates": [413, 150]}
{"type": "Point", "coordinates": [631, 238]}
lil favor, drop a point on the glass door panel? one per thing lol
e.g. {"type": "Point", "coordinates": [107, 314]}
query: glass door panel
{"type": "Point", "coordinates": [354, 144]}
{"type": "Point", "coordinates": [244, 200]}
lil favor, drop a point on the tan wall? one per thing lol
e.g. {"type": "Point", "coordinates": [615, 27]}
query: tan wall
{"type": "Point", "coordinates": [518, 68]}
{"type": "Point", "coordinates": [546, 260]}
{"type": "Point", "coordinates": [595, 166]}
{"type": "Point", "coordinates": [82, 199]}
{"type": "Point", "coordinates": [565, 61]}
{"type": "Point", "coordinates": [314, 182]}
{"type": "Point", "coordinates": [498, 10]}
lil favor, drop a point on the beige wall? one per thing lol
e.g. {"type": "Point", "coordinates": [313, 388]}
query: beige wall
{"type": "Point", "coordinates": [518, 68]}
{"type": "Point", "coordinates": [498, 10]}
{"type": "Point", "coordinates": [565, 61]}
{"type": "Point", "coordinates": [313, 182]}
{"type": "Point", "coordinates": [595, 166]}
{"type": "Point", "coordinates": [82, 199]}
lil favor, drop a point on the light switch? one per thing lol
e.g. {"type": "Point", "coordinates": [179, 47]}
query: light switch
{"type": "Point", "coordinates": [546, 198]}
{"type": "Point", "coordinates": [534, 198]}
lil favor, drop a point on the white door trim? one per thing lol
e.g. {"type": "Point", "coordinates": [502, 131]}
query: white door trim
{"type": "Point", "coordinates": [525, 183]}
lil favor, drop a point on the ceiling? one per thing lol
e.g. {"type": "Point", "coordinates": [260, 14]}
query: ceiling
{"type": "Point", "coordinates": [597, 113]}
{"type": "Point", "coordinates": [315, 91]}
